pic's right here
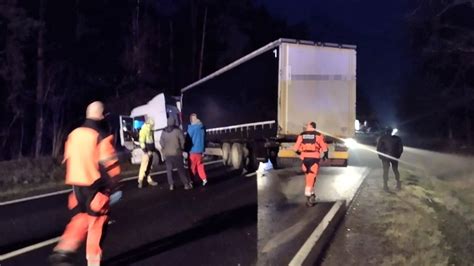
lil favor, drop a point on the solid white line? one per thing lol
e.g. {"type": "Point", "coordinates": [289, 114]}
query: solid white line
{"type": "Point", "coordinates": [28, 249]}
{"type": "Point", "coordinates": [304, 251]}
{"type": "Point", "coordinates": [69, 190]}
{"type": "Point", "coordinates": [56, 239]}
{"type": "Point", "coordinates": [36, 197]}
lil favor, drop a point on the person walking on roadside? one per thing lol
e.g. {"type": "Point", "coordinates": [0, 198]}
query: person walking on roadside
{"type": "Point", "coordinates": [172, 145]}
{"type": "Point", "coordinates": [197, 134]}
{"type": "Point", "coordinates": [92, 168]}
{"type": "Point", "coordinates": [147, 143]}
{"type": "Point", "coordinates": [310, 145]}
{"type": "Point", "coordinates": [390, 149]}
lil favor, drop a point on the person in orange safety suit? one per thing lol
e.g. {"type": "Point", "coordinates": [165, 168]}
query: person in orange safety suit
{"type": "Point", "coordinates": [92, 168]}
{"type": "Point", "coordinates": [310, 145]}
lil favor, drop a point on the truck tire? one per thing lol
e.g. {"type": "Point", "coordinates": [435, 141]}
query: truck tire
{"type": "Point", "coordinates": [250, 158]}
{"type": "Point", "coordinates": [226, 154]}
{"type": "Point", "coordinates": [273, 157]}
{"type": "Point", "coordinates": [236, 156]}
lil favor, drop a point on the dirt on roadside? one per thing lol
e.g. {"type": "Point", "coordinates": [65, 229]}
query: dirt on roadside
{"type": "Point", "coordinates": [429, 222]}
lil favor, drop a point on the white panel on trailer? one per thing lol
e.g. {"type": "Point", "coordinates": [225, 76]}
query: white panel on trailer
{"type": "Point", "coordinates": [318, 84]}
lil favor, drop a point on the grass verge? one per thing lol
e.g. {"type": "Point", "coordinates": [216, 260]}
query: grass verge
{"type": "Point", "coordinates": [429, 222]}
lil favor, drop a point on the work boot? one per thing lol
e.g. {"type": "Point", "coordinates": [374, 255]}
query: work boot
{"type": "Point", "coordinates": [399, 185]}
{"type": "Point", "coordinates": [311, 200]}
{"type": "Point", "coordinates": [140, 184]}
{"type": "Point", "coordinates": [171, 187]}
{"type": "Point", "coordinates": [61, 258]}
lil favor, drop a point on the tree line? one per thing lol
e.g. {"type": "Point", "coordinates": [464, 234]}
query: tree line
{"type": "Point", "coordinates": [56, 56]}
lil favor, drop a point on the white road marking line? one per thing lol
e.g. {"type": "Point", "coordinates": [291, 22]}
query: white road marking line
{"type": "Point", "coordinates": [35, 197]}
{"type": "Point", "coordinates": [69, 190]}
{"type": "Point", "coordinates": [28, 249]}
{"type": "Point", "coordinates": [56, 239]}
{"type": "Point", "coordinates": [304, 251]}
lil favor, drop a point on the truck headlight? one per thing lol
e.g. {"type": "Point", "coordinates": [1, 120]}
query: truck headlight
{"type": "Point", "coordinates": [351, 143]}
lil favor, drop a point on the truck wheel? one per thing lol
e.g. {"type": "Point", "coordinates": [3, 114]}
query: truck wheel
{"type": "Point", "coordinates": [236, 155]}
{"type": "Point", "coordinates": [273, 157]}
{"type": "Point", "coordinates": [250, 159]}
{"type": "Point", "coordinates": [226, 154]}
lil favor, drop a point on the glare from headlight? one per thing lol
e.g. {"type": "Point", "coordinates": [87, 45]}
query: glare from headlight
{"type": "Point", "coordinates": [351, 143]}
{"type": "Point", "coordinates": [357, 125]}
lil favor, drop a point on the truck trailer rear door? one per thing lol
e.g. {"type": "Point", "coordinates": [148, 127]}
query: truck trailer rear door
{"type": "Point", "coordinates": [317, 84]}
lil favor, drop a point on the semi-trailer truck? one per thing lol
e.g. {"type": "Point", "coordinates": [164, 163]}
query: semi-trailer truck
{"type": "Point", "coordinates": [254, 108]}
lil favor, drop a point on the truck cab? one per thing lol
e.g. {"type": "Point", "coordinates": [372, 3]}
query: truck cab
{"type": "Point", "coordinates": [159, 109]}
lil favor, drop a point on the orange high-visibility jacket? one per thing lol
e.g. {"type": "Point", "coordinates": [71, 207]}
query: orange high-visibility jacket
{"type": "Point", "coordinates": [311, 144]}
{"type": "Point", "coordinates": [87, 149]}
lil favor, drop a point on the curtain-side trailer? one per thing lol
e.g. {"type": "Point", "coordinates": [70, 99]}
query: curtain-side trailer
{"type": "Point", "coordinates": [255, 107]}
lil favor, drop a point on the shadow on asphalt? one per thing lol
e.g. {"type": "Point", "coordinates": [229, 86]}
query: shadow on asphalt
{"type": "Point", "coordinates": [209, 226]}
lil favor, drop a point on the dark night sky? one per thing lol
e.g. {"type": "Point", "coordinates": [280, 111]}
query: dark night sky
{"type": "Point", "coordinates": [379, 30]}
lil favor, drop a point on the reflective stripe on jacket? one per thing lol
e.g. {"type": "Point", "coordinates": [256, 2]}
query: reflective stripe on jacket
{"type": "Point", "coordinates": [311, 144]}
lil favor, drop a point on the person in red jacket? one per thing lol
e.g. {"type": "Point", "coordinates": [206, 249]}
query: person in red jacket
{"type": "Point", "coordinates": [91, 169]}
{"type": "Point", "coordinates": [310, 145]}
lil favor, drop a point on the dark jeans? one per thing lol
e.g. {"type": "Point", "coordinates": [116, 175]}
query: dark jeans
{"type": "Point", "coordinates": [176, 161]}
{"type": "Point", "coordinates": [386, 165]}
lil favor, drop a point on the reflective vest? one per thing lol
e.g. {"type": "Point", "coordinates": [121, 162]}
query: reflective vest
{"type": "Point", "coordinates": [311, 144]}
{"type": "Point", "coordinates": [88, 151]}
{"type": "Point", "coordinates": [309, 141]}
{"type": "Point", "coordinates": [145, 136]}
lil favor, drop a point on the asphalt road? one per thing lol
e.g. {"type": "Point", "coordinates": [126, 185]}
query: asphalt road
{"type": "Point", "coordinates": [212, 225]}
{"type": "Point", "coordinates": [284, 221]}
{"type": "Point", "coordinates": [234, 220]}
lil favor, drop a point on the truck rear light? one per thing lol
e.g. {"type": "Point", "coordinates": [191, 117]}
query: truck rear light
{"type": "Point", "coordinates": [340, 147]}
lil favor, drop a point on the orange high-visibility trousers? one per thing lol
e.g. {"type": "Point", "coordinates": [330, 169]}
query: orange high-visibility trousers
{"type": "Point", "coordinates": [83, 225]}
{"type": "Point", "coordinates": [197, 166]}
{"type": "Point", "coordinates": [91, 216]}
{"type": "Point", "coordinates": [311, 170]}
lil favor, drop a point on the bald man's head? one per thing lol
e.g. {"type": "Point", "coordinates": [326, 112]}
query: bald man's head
{"type": "Point", "coordinates": [95, 111]}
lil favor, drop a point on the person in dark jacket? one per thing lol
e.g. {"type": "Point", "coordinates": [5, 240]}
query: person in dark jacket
{"type": "Point", "coordinates": [197, 134]}
{"type": "Point", "coordinates": [172, 145]}
{"type": "Point", "coordinates": [390, 149]}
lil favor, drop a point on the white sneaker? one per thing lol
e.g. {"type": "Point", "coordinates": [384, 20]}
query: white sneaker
{"type": "Point", "coordinates": [151, 182]}
{"type": "Point", "coordinates": [204, 182]}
